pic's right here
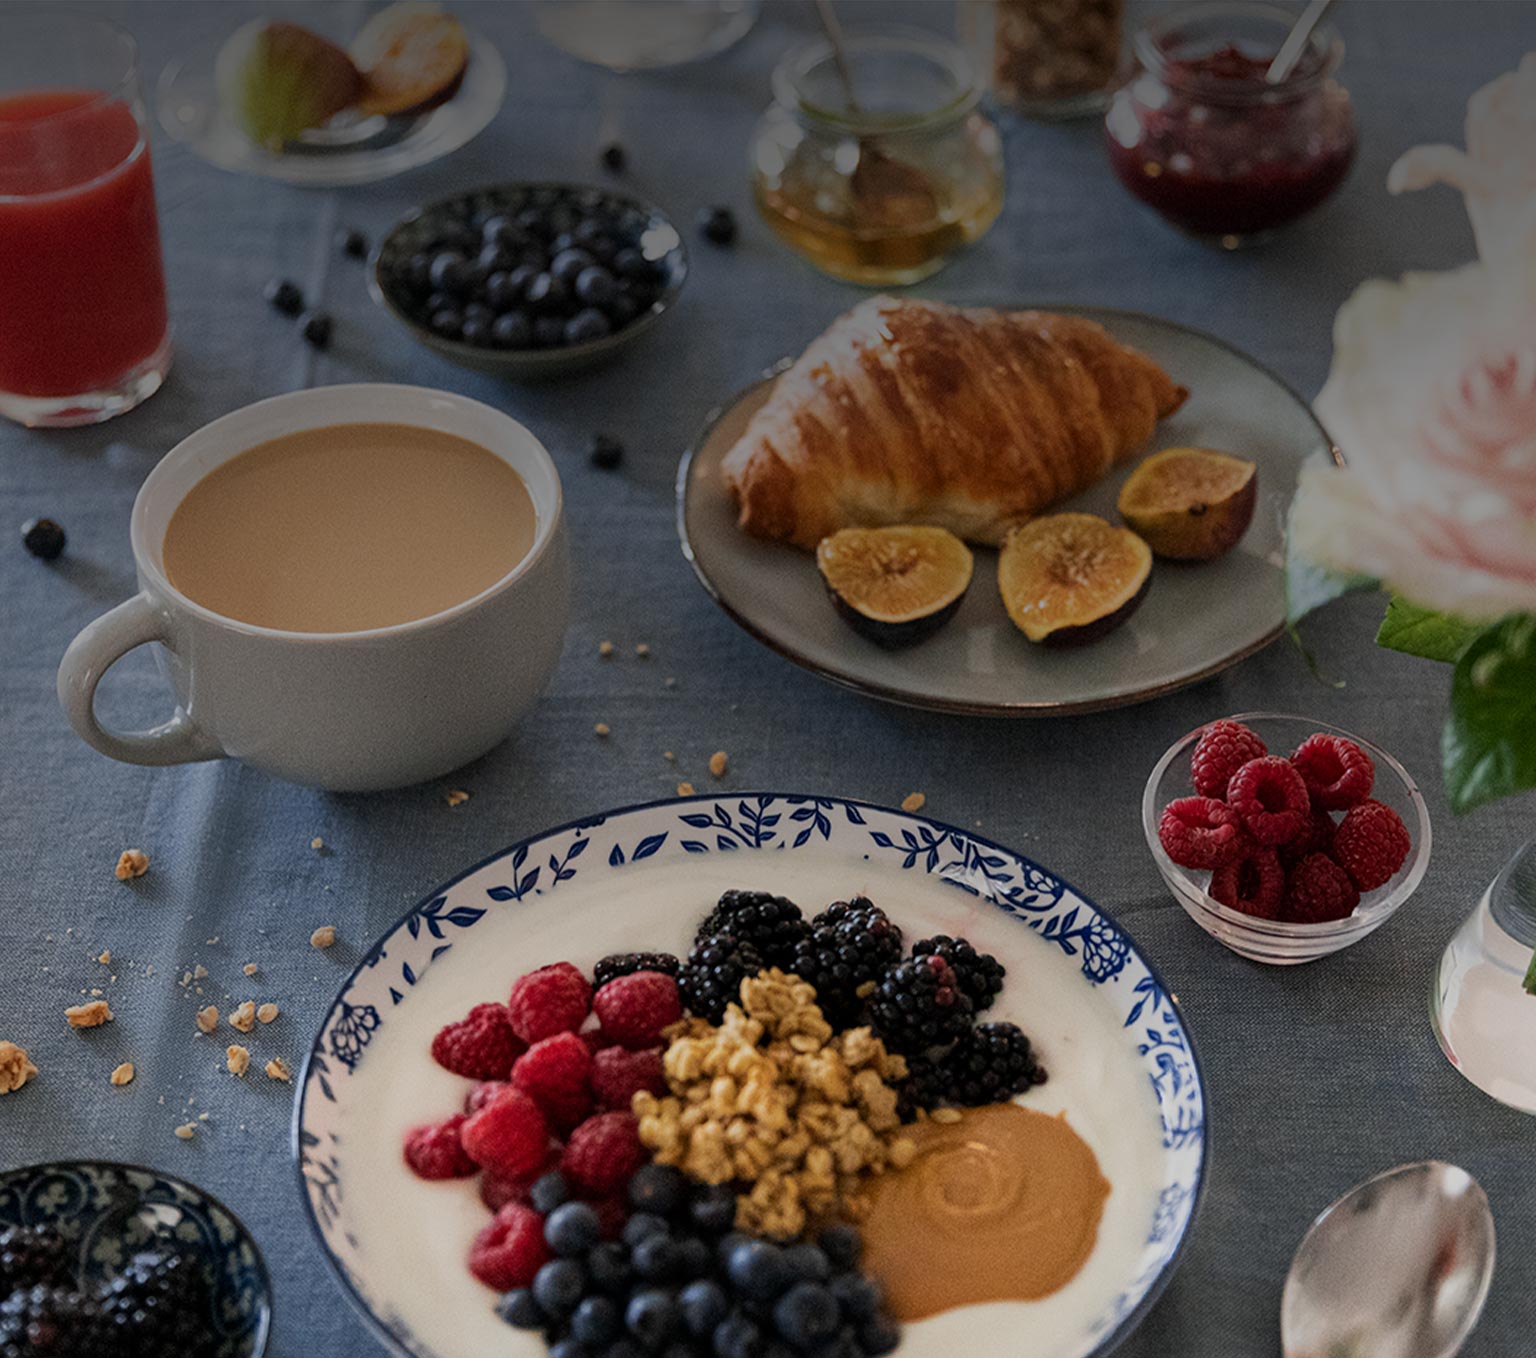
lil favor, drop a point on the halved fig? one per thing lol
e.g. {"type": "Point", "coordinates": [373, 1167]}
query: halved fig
{"type": "Point", "coordinates": [412, 57]}
{"type": "Point", "coordinates": [1068, 579]}
{"type": "Point", "coordinates": [277, 80]}
{"type": "Point", "coordinates": [1190, 504]}
{"type": "Point", "coordinates": [895, 586]}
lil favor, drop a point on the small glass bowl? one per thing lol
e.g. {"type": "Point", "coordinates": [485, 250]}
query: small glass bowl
{"type": "Point", "coordinates": [1274, 941]}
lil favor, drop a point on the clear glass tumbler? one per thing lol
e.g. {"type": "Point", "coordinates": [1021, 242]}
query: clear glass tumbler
{"type": "Point", "coordinates": [84, 333]}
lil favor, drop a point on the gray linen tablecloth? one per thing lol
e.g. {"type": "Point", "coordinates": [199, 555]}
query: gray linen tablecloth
{"type": "Point", "coordinates": [1317, 1076]}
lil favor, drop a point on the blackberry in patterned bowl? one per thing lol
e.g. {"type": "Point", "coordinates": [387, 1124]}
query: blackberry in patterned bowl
{"type": "Point", "coordinates": [105, 1260]}
{"type": "Point", "coordinates": [1357, 847]}
{"type": "Point", "coordinates": [529, 281]}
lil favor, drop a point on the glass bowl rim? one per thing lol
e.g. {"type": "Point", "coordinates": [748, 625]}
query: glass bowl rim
{"type": "Point", "coordinates": [1364, 918]}
{"type": "Point", "coordinates": [1151, 52]}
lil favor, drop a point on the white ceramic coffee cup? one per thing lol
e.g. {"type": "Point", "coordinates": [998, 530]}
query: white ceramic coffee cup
{"type": "Point", "coordinates": [347, 711]}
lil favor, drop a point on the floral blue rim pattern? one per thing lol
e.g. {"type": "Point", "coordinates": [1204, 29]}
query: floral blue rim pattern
{"type": "Point", "coordinates": [112, 1210]}
{"type": "Point", "coordinates": [762, 822]}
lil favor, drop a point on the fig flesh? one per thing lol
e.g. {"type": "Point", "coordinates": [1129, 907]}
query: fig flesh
{"type": "Point", "coordinates": [1190, 504]}
{"type": "Point", "coordinates": [1068, 579]}
{"type": "Point", "coordinates": [412, 57]}
{"type": "Point", "coordinates": [278, 79]}
{"type": "Point", "coordinates": [895, 586]}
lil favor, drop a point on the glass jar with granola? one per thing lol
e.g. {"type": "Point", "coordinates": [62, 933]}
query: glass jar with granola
{"type": "Point", "coordinates": [1045, 58]}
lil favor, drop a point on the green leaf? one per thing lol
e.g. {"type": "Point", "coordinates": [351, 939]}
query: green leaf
{"type": "Point", "coordinates": [1424, 632]}
{"type": "Point", "coordinates": [1488, 748]}
{"type": "Point", "coordinates": [1530, 977]}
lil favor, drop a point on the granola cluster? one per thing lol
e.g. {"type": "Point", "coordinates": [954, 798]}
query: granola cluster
{"type": "Point", "coordinates": [773, 1099]}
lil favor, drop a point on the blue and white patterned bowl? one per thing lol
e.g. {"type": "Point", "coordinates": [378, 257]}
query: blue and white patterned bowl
{"type": "Point", "coordinates": [1106, 1026]}
{"type": "Point", "coordinates": [112, 1212]}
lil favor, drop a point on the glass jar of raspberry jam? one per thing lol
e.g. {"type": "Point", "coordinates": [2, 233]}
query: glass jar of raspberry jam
{"type": "Point", "coordinates": [1200, 136]}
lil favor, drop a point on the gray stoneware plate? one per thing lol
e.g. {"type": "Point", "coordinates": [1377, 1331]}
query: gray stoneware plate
{"type": "Point", "coordinates": [1196, 621]}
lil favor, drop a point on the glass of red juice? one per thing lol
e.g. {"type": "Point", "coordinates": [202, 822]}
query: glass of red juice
{"type": "Point", "coordinates": [84, 333]}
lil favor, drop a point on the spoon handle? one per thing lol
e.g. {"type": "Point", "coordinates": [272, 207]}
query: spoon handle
{"type": "Point", "coordinates": [834, 29]}
{"type": "Point", "coordinates": [1295, 41]}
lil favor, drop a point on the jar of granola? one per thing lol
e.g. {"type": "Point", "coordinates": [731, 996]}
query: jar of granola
{"type": "Point", "coordinates": [1045, 58]}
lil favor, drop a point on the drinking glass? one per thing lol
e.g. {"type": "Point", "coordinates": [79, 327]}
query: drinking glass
{"type": "Point", "coordinates": [84, 333]}
{"type": "Point", "coordinates": [637, 35]}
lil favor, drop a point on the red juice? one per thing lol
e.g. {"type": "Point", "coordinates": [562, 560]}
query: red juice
{"type": "Point", "coordinates": [82, 291]}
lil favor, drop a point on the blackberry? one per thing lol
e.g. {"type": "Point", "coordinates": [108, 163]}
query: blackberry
{"type": "Point", "coordinates": [159, 1304]}
{"type": "Point", "coordinates": [991, 1063]}
{"type": "Point", "coordinates": [771, 924]}
{"type": "Point", "coordinates": [714, 972]}
{"type": "Point", "coordinates": [56, 1322]}
{"type": "Point", "coordinates": [925, 1088]}
{"type": "Point", "coordinates": [980, 974]}
{"type": "Point", "coordinates": [919, 1005]}
{"type": "Point", "coordinates": [849, 946]}
{"type": "Point", "coordinates": [30, 1255]}
{"type": "Point", "coordinates": [627, 963]}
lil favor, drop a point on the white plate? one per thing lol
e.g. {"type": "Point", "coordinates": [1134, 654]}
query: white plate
{"type": "Point", "coordinates": [1120, 1063]}
{"type": "Point", "coordinates": [332, 157]}
{"type": "Point", "coordinates": [1196, 620]}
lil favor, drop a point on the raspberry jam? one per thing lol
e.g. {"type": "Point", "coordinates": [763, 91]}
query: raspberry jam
{"type": "Point", "coordinates": [1198, 134]}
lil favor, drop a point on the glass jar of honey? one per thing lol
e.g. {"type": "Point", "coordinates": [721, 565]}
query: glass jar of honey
{"type": "Point", "coordinates": [879, 169]}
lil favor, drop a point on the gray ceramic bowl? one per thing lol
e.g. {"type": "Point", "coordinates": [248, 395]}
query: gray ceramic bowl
{"type": "Point", "coordinates": [416, 232]}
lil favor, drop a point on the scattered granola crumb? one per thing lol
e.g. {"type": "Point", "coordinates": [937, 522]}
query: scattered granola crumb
{"type": "Point", "coordinates": [250, 968]}
{"type": "Point", "coordinates": [456, 796]}
{"type": "Point", "coordinates": [605, 649]}
{"type": "Point", "coordinates": [199, 972]}
{"type": "Point", "coordinates": [213, 941]}
{"type": "Point", "coordinates": [237, 1059]}
{"type": "Point", "coordinates": [15, 1068]}
{"type": "Point", "coordinates": [317, 843]}
{"type": "Point", "coordinates": [106, 957]}
{"type": "Point", "coordinates": [267, 1013]}
{"type": "Point", "coordinates": [602, 729]}
{"type": "Point", "coordinates": [131, 863]}
{"type": "Point", "coordinates": [244, 1017]}
{"type": "Point", "coordinates": [208, 1018]}
{"type": "Point", "coordinates": [89, 1015]}
{"type": "Point", "coordinates": [323, 937]}
{"type": "Point", "coordinates": [670, 756]}
{"type": "Point", "coordinates": [718, 763]}
{"type": "Point", "coordinates": [685, 789]}
{"type": "Point", "coordinates": [123, 1075]}
{"type": "Point", "coordinates": [945, 1115]}
{"type": "Point", "coordinates": [277, 1069]}
{"type": "Point", "coordinates": [670, 682]}
{"type": "Point", "coordinates": [643, 651]}
{"type": "Point", "coordinates": [187, 1131]}
{"type": "Point", "coordinates": [913, 801]}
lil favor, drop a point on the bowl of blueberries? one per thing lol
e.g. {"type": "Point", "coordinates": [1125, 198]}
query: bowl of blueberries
{"type": "Point", "coordinates": [529, 280]}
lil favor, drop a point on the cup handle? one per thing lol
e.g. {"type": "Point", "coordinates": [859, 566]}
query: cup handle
{"type": "Point", "coordinates": [90, 655]}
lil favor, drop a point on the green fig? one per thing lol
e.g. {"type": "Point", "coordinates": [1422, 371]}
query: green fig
{"type": "Point", "coordinates": [278, 79]}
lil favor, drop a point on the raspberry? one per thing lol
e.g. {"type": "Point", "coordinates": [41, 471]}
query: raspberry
{"type": "Point", "coordinates": [1201, 833]}
{"type": "Point", "coordinates": [618, 1075]}
{"type": "Point", "coordinates": [1271, 799]}
{"type": "Point", "coordinates": [596, 1039]}
{"type": "Point", "coordinates": [1223, 748]}
{"type": "Point", "coordinates": [1319, 889]}
{"type": "Point", "coordinates": [1254, 885]}
{"type": "Point", "coordinates": [634, 1009]}
{"type": "Point", "coordinates": [511, 1248]}
{"type": "Point", "coordinates": [602, 1153]}
{"type": "Point", "coordinates": [1337, 772]}
{"type": "Point", "coordinates": [557, 1073]}
{"type": "Point", "coordinates": [481, 1094]}
{"type": "Point", "coordinates": [1371, 844]}
{"type": "Point", "coordinates": [480, 1045]}
{"type": "Point", "coordinates": [612, 1213]}
{"type": "Point", "coordinates": [1316, 837]}
{"type": "Point", "coordinates": [497, 1190]}
{"type": "Point", "coordinates": [434, 1151]}
{"type": "Point", "coordinates": [508, 1135]}
{"type": "Point", "coordinates": [553, 999]}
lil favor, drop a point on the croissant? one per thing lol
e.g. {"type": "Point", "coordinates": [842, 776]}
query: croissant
{"type": "Point", "coordinates": [971, 419]}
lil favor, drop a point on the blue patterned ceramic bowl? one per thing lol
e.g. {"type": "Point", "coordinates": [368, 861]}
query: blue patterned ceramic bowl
{"type": "Point", "coordinates": [1122, 1065]}
{"type": "Point", "coordinates": [112, 1212]}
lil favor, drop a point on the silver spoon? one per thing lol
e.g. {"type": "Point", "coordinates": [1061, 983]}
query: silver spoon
{"type": "Point", "coordinates": [1296, 41]}
{"type": "Point", "coordinates": [1399, 1267]}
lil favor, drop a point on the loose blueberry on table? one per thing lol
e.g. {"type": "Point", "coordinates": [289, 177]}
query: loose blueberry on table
{"type": "Point", "coordinates": [44, 538]}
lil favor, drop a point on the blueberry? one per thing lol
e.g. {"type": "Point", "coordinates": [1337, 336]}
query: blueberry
{"type": "Point", "coordinates": [758, 1270]}
{"type": "Point", "coordinates": [859, 1297]}
{"type": "Point", "coordinates": [533, 222]}
{"type": "Point", "coordinates": [642, 1226]}
{"type": "Point", "coordinates": [806, 1315]}
{"type": "Point", "coordinates": [622, 311]}
{"type": "Point", "coordinates": [657, 1188]}
{"type": "Point", "coordinates": [587, 325]}
{"type": "Point", "coordinates": [569, 262]}
{"type": "Point", "coordinates": [704, 1305]}
{"type": "Point", "coordinates": [572, 1228]}
{"type": "Point", "coordinates": [879, 1336]}
{"type": "Point", "coordinates": [630, 263]}
{"type": "Point", "coordinates": [809, 1261]}
{"type": "Point", "coordinates": [559, 1285]}
{"type": "Point", "coordinates": [729, 1243]}
{"type": "Point", "coordinates": [521, 1310]}
{"type": "Point", "coordinates": [623, 1348]}
{"type": "Point", "coordinates": [438, 300]}
{"type": "Point", "coordinates": [285, 296]}
{"type": "Point", "coordinates": [608, 1266]}
{"type": "Point", "coordinates": [512, 331]}
{"type": "Point", "coordinates": [652, 1316]}
{"type": "Point", "coordinates": [595, 286]}
{"type": "Point", "coordinates": [494, 259]}
{"type": "Point", "coordinates": [546, 293]}
{"type": "Point", "coordinates": [613, 157]}
{"type": "Point", "coordinates": [353, 243]}
{"type": "Point", "coordinates": [316, 327]}
{"type": "Point", "coordinates": [655, 1258]}
{"type": "Point", "coordinates": [694, 1259]}
{"type": "Point", "coordinates": [548, 332]}
{"type": "Point", "coordinates": [606, 454]}
{"type": "Point", "coordinates": [569, 1348]}
{"type": "Point", "coordinates": [449, 272]}
{"type": "Point", "coordinates": [842, 1245]}
{"type": "Point", "coordinates": [522, 276]}
{"type": "Point", "coordinates": [477, 330]}
{"type": "Point", "coordinates": [679, 1348]}
{"type": "Point", "coordinates": [502, 230]}
{"type": "Point", "coordinates": [448, 322]}
{"type": "Point", "coordinates": [597, 1321]}
{"type": "Point", "coordinates": [418, 271]}
{"type": "Point", "coordinates": [778, 1349]}
{"type": "Point", "coordinates": [718, 225]}
{"type": "Point", "coordinates": [501, 292]}
{"type": "Point", "coordinates": [738, 1336]}
{"type": "Point", "coordinates": [43, 538]}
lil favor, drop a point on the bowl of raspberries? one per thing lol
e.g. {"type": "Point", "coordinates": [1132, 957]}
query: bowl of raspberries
{"type": "Point", "coordinates": [1285, 838]}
